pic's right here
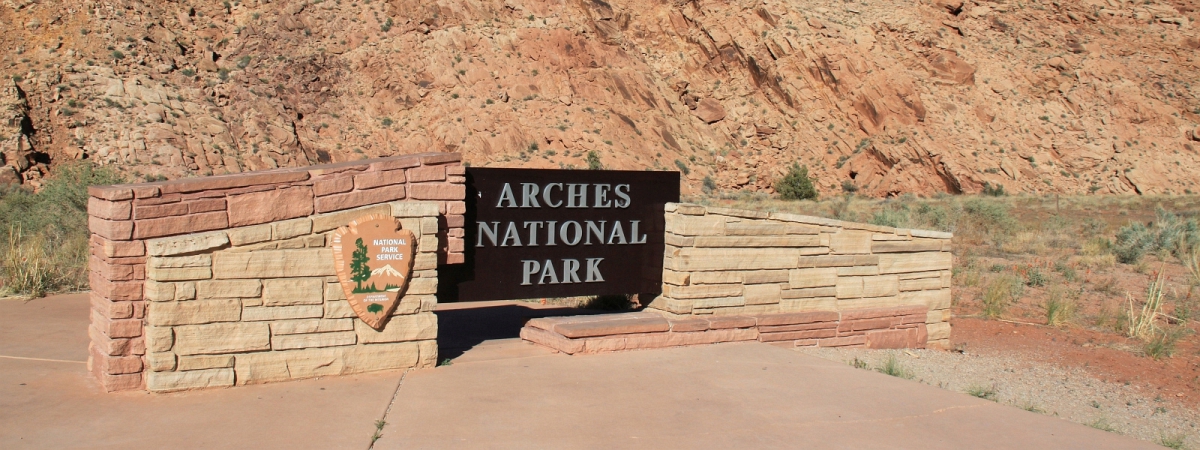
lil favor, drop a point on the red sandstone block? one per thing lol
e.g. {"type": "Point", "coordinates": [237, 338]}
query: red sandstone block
{"type": "Point", "coordinates": [611, 326]}
{"type": "Point", "coordinates": [724, 322]}
{"type": "Point", "coordinates": [688, 324]}
{"type": "Point", "coordinates": [798, 327]}
{"type": "Point", "coordinates": [116, 328]}
{"type": "Point", "coordinates": [117, 249]}
{"type": "Point", "coordinates": [864, 324]}
{"type": "Point", "coordinates": [167, 226]}
{"type": "Point", "coordinates": [426, 173]}
{"type": "Point", "coordinates": [270, 206]}
{"type": "Point", "coordinates": [398, 162]}
{"type": "Point", "coordinates": [680, 339]}
{"type": "Point", "coordinates": [336, 168]}
{"type": "Point", "coordinates": [105, 209]}
{"type": "Point", "coordinates": [733, 334]}
{"type": "Point", "coordinates": [647, 340]}
{"type": "Point", "coordinates": [146, 191]}
{"type": "Point", "coordinates": [355, 199]}
{"type": "Point", "coordinates": [111, 229]}
{"type": "Point", "coordinates": [156, 211]}
{"type": "Point", "coordinates": [455, 221]}
{"type": "Point", "coordinates": [543, 323]}
{"type": "Point", "coordinates": [139, 272]}
{"type": "Point", "coordinates": [374, 179]}
{"type": "Point", "coordinates": [137, 346]}
{"type": "Point", "coordinates": [892, 338]}
{"type": "Point", "coordinates": [139, 309]}
{"type": "Point", "coordinates": [131, 261]}
{"type": "Point", "coordinates": [456, 179]}
{"type": "Point", "coordinates": [456, 232]}
{"type": "Point", "coordinates": [456, 208]}
{"type": "Point", "coordinates": [107, 345]}
{"type": "Point", "coordinates": [456, 244]}
{"type": "Point", "coordinates": [268, 177]}
{"type": "Point", "coordinates": [160, 200]}
{"type": "Point", "coordinates": [456, 170]}
{"type": "Point", "coordinates": [908, 319]}
{"type": "Point", "coordinates": [455, 258]}
{"type": "Point", "coordinates": [871, 313]}
{"type": "Point", "coordinates": [205, 205]}
{"type": "Point", "coordinates": [806, 343]}
{"type": "Point", "coordinates": [843, 341]}
{"type": "Point", "coordinates": [335, 184]}
{"type": "Point", "coordinates": [797, 318]}
{"type": "Point", "coordinates": [437, 191]}
{"type": "Point", "coordinates": [126, 382]}
{"type": "Point", "coordinates": [795, 335]}
{"type": "Point", "coordinates": [111, 193]}
{"type": "Point", "coordinates": [111, 309]}
{"type": "Point", "coordinates": [552, 340]}
{"type": "Point", "coordinates": [112, 272]}
{"type": "Point", "coordinates": [439, 158]}
{"type": "Point", "coordinates": [603, 344]}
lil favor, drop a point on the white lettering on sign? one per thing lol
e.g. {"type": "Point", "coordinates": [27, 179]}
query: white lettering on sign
{"type": "Point", "coordinates": [570, 233]}
{"type": "Point", "coordinates": [576, 196]}
{"type": "Point", "coordinates": [545, 273]}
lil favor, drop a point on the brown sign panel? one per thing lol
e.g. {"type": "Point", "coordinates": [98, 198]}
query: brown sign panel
{"type": "Point", "coordinates": [373, 257]}
{"type": "Point", "coordinates": [533, 233]}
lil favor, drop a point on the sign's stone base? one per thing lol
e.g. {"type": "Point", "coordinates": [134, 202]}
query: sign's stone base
{"type": "Point", "coordinates": [897, 327]}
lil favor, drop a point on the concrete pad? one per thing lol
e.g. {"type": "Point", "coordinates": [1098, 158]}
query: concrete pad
{"type": "Point", "coordinates": [50, 402]}
{"type": "Point", "coordinates": [732, 395]}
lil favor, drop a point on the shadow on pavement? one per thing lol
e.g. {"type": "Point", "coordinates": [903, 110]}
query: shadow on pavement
{"type": "Point", "coordinates": [462, 326]}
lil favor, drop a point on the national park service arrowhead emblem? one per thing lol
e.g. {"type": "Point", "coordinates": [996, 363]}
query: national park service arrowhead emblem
{"type": "Point", "coordinates": [374, 259]}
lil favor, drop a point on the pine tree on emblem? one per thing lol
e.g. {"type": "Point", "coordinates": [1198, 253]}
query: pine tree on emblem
{"type": "Point", "coordinates": [359, 270]}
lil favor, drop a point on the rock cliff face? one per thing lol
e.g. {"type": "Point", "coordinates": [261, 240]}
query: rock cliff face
{"type": "Point", "coordinates": [889, 96]}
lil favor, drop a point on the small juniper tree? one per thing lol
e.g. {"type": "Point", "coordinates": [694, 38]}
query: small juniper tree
{"type": "Point", "coordinates": [796, 185]}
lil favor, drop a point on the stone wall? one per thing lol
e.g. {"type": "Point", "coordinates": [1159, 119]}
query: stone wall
{"type": "Point", "coordinates": [263, 303]}
{"type": "Point", "coordinates": [126, 219]}
{"type": "Point", "coordinates": [721, 261]}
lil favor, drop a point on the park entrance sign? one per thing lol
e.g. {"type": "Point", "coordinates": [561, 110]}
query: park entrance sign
{"type": "Point", "coordinates": [557, 233]}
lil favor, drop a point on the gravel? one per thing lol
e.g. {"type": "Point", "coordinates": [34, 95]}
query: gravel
{"type": "Point", "coordinates": [1071, 394]}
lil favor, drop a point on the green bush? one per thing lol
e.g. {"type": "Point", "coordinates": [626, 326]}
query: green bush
{"type": "Point", "coordinates": [993, 190]}
{"type": "Point", "coordinates": [593, 161]}
{"type": "Point", "coordinates": [47, 231]}
{"type": "Point", "coordinates": [682, 167]}
{"type": "Point", "coordinates": [796, 185]}
{"type": "Point", "coordinates": [1169, 234]}
{"type": "Point", "coordinates": [991, 216]}
{"type": "Point", "coordinates": [708, 186]}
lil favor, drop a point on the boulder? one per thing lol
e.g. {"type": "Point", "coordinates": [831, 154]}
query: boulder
{"type": "Point", "coordinates": [709, 110]}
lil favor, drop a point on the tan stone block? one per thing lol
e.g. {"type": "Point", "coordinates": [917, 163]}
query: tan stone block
{"type": "Point", "coordinates": [421, 286]}
{"type": "Point", "coordinates": [914, 262]}
{"type": "Point", "coordinates": [414, 327]}
{"type": "Point", "coordinates": [946, 279]}
{"type": "Point", "coordinates": [218, 338]}
{"type": "Point", "coordinates": [695, 225]}
{"type": "Point", "coordinates": [761, 228]}
{"type": "Point", "coordinates": [185, 291]}
{"type": "Point", "coordinates": [766, 276]}
{"type": "Point", "coordinates": [857, 271]}
{"type": "Point", "coordinates": [313, 340]}
{"type": "Point", "coordinates": [889, 237]}
{"type": "Point", "coordinates": [338, 309]}
{"type": "Point", "coordinates": [310, 326]}
{"type": "Point", "coordinates": [718, 302]}
{"type": "Point", "coordinates": [716, 278]}
{"type": "Point", "coordinates": [676, 278]}
{"type": "Point", "coordinates": [334, 291]}
{"type": "Point", "coordinates": [827, 291]}
{"type": "Point", "coordinates": [757, 241]}
{"type": "Point", "coordinates": [809, 278]}
{"type": "Point", "coordinates": [762, 294]}
{"type": "Point", "coordinates": [267, 367]}
{"type": "Point", "coordinates": [869, 302]}
{"type": "Point", "coordinates": [679, 241]}
{"type": "Point", "coordinates": [159, 339]}
{"type": "Point", "coordinates": [881, 286]}
{"type": "Point", "coordinates": [158, 292]}
{"type": "Point", "coordinates": [428, 241]}
{"type": "Point", "coordinates": [412, 224]}
{"type": "Point", "coordinates": [921, 284]}
{"type": "Point", "coordinates": [429, 225]}
{"type": "Point", "coordinates": [326, 222]}
{"type": "Point", "coordinates": [260, 313]}
{"type": "Point", "coordinates": [428, 353]}
{"type": "Point", "coordinates": [181, 274]}
{"type": "Point", "coordinates": [410, 304]}
{"type": "Point", "coordinates": [370, 358]}
{"type": "Point", "coordinates": [425, 261]}
{"type": "Point", "coordinates": [192, 379]}
{"type": "Point", "coordinates": [743, 213]}
{"type": "Point", "coordinates": [849, 287]}
{"type": "Point", "coordinates": [202, 362]}
{"type": "Point", "coordinates": [922, 245]}
{"type": "Point", "coordinates": [671, 305]}
{"type": "Point", "coordinates": [428, 303]}
{"type": "Point", "coordinates": [414, 209]}
{"type": "Point", "coordinates": [179, 262]}
{"type": "Point", "coordinates": [291, 228]}
{"type": "Point", "coordinates": [850, 242]}
{"type": "Point", "coordinates": [192, 243]}
{"type": "Point", "coordinates": [293, 291]}
{"type": "Point", "coordinates": [838, 261]}
{"type": "Point", "coordinates": [703, 259]}
{"type": "Point", "coordinates": [315, 262]}
{"type": "Point", "coordinates": [690, 210]}
{"type": "Point", "coordinates": [160, 361]}
{"type": "Point", "coordinates": [193, 312]}
{"type": "Point", "coordinates": [935, 316]}
{"type": "Point", "coordinates": [250, 235]}
{"type": "Point", "coordinates": [938, 299]}
{"type": "Point", "coordinates": [916, 275]}
{"type": "Point", "coordinates": [703, 291]}
{"type": "Point", "coordinates": [228, 289]}
{"type": "Point", "coordinates": [938, 331]}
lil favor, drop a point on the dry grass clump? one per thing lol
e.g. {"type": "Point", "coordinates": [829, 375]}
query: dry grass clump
{"type": "Point", "coordinates": [1060, 309]}
{"type": "Point", "coordinates": [1001, 292]}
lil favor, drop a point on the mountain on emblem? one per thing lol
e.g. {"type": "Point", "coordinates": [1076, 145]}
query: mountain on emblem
{"type": "Point", "coordinates": [373, 258]}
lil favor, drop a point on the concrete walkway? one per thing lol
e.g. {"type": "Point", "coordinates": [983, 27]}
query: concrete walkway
{"type": "Point", "coordinates": [504, 393]}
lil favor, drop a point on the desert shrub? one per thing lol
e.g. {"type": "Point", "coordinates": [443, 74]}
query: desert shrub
{"type": "Point", "coordinates": [1067, 272]}
{"type": "Point", "coordinates": [796, 185]}
{"type": "Point", "coordinates": [1168, 234]}
{"type": "Point", "coordinates": [991, 218]}
{"type": "Point", "coordinates": [1161, 343]}
{"type": "Point", "coordinates": [593, 161]}
{"type": "Point", "coordinates": [896, 218]}
{"type": "Point", "coordinates": [46, 231]}
{"type": "Point", "coordinates": [1059, 308]}
{"type": "Point", "coordinates": [993, 190]}
{"type": "Point", "coordinates": [682, 167]}
{"type": "Point", "coordinates": [998, 294]}
{"type": "Point", "coordinates": [708, 186]}
{"type": "Point", "coordinates": [1034, 277]}
{"type": "Point", "coordinates": [849, 187]}
{"type": "Point", "coordinates": [891, 366]}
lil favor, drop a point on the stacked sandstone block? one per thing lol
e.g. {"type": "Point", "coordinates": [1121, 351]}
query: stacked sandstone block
{"type": "Point", "coordinates": [722, 261]}
{"type": "Point", "coordinates": [124, 217]}
{"type": "Point", "coordinates": [263, 303]}
{"type": "Point", "coordinates": [900, 327]}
